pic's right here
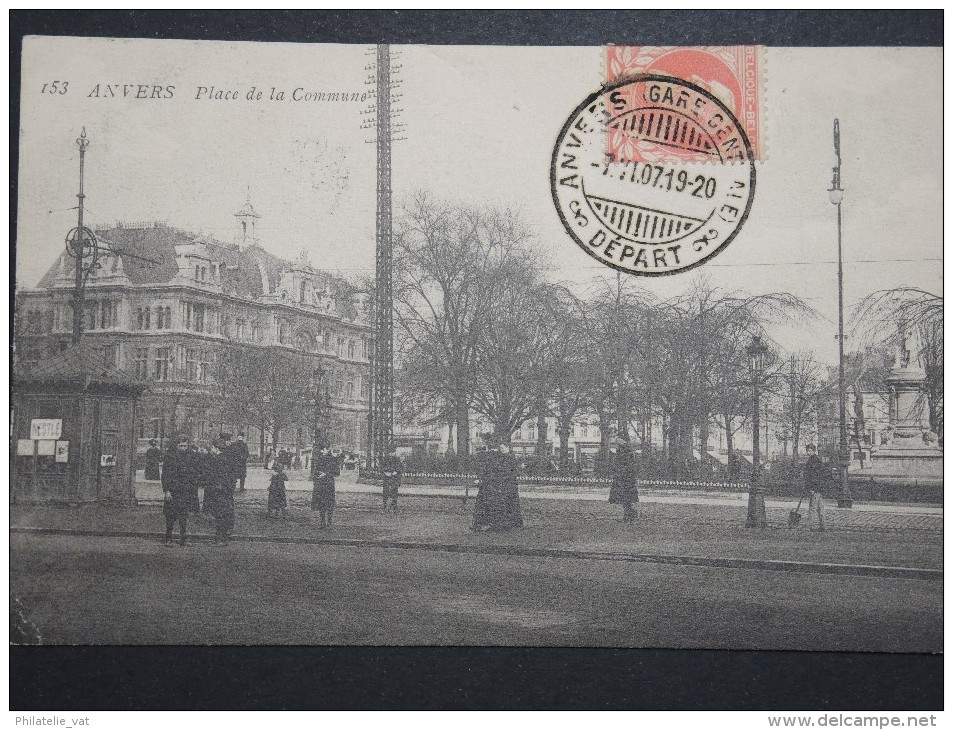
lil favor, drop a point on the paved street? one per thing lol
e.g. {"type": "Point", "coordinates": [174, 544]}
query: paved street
{"type": "Point", "coordinates": [131, 590]}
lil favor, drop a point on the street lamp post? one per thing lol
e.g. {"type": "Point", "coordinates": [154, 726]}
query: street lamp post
{"type": "Point", "coordinates": [836, 194]}
{"type": "Point", "coordinates": [322, 406]}
{"type": "Point", "coordinates": [756, 513]}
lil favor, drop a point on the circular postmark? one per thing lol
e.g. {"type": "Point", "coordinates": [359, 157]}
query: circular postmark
{"type": "Point", "coordinates": [652, 175]}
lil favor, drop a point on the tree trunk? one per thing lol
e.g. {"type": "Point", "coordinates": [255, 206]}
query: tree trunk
{"type": "Point", "coordinates": [729, 438]}
{"type": "Point", "coordinates": [542, 432]}
{"type": "Point", "coordinates": [462, 409]}
{"type": "Point", "coordinates": [703, 435]}
{"type": "Point", "coordinates": [563, 446]}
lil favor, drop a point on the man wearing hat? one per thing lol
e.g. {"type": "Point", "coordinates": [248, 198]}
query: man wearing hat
{"type": "Point", "coordinates": [815, 479]}
{"type": "Point", "coordinates": [177, 479]}
{"type": "Point", "coordinates": [153, 457]}
{"type": "Point", "coordinates": [324, 467]}
{"type": "Point", "coordinates": [392, 469]}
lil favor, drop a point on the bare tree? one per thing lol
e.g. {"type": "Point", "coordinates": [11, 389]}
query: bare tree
{"type": "Point", "coordinates": [511, 377]}
{"type": "Point", "coordinates": [804, 381]}
{"type": "Point", "coordinates": [451, 261]}
{"type": "Point", "coordinates": [270, 387]}
{"type": "Point", "coordinates": [445, 254]}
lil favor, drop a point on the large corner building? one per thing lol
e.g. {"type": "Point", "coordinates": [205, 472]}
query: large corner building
{"type": "Point", "coordinates": [162, 304]}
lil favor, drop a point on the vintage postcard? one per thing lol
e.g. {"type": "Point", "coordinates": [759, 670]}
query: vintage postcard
{"type": "Point", "coordinates": [619, 346]}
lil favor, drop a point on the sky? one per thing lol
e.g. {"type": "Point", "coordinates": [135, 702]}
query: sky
{"type": "Point", "coordinates": [480, 123]}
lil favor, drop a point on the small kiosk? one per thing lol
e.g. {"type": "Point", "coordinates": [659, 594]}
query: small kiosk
{"type": "Point", "coordinates": [74, 431]}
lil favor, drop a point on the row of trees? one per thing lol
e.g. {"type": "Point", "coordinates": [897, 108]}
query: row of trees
{"type": "Point", "coordinates": [482, 326]}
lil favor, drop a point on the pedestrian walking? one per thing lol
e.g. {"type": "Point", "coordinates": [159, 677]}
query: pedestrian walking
{"type": "Point", "coordinates": [177, 489]}
{"type": "Point", "coordinates": [324, 467]}
{"type": "Point", "coordinates": [392, 469]}
{"type": "Point", "coordinates": [220, 491]}
{"type": "Point", "coordinates": [815, 480]}
{"type": "Point", "coordinates": [240, 456]}
{"type": "Point", "coordinates": [277, 497]}
{"type": "Point", "coordinates": [153, 459]}
{"type": "Point", "coordinates": [624, 488]}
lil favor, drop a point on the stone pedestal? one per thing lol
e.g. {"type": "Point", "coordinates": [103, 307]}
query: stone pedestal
{"type": "Point", "coordinates": [910, 453]}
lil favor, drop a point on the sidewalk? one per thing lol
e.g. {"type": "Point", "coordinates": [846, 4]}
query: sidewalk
{"type": "Point", "coordinates": [667, 530]}
{"type": "Point", "coordinates": [697, 507]}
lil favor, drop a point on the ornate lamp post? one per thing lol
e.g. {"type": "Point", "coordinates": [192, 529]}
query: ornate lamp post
{"type": "Point", "coordinates": [756, 514]}
{"type": "Point", "coordinates": [836, 194]}
{"type": "Point", "coordinates": [322, 405]}
{"type": "Point", "coordinates": [81, 245]}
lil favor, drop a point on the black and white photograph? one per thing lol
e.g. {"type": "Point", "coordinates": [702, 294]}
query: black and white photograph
{"type": "Point", "coordinates": [408, 345]}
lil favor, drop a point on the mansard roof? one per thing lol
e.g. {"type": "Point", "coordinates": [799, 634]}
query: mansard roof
{"type": "Point", "coordinates": [148, 255]}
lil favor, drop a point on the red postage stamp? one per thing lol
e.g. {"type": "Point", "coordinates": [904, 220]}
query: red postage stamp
{"type": "Point", "coordinates": [733, 74]}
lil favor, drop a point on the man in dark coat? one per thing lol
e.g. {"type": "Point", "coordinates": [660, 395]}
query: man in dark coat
{"type": "Point", "coordinates": [624, 489]}
{"type": "Point", "coordinates": [177, 480]}
{"type": "Point", "coordinates": [392, 469]}
{"type": "Point", "coordinates": [815, 481]}
{"type": "Point", "coordinates": [324, 467]}
{"type": "Point", "coordinates": [240, 457]}
{"type": "Point", "coordinates": [153, 458]}
{"type": "Point", "coordinates": [512, 513]}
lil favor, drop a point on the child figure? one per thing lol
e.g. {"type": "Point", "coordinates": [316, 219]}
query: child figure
{"type": "Point", "coordinates": [277, 499]}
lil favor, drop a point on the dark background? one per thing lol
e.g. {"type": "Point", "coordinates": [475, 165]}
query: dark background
{"type": "Point", "coordinates": [313, 678]}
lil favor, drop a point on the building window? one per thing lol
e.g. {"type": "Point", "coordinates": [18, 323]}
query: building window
{"type": "Point", "coordinates": [282, 332]}
{"type": "Point", "coordinates": [340, 349]}
{"type": "Point", "coordinates": [34, 322]}
{"type": "Point", "coordinates": [143, 318]}
{"type": "Point", "coordinates": [111, 356]}
{"type": "Point", "coordinates": [161, 321]}
{"type": "Point", "coordinates": [108, 312]}
{"type": "Point", "coordinates": [256, 331]}
{"type": "Point", "coordinates": [365, 348]}
{"type": "Point", "coordinates": [205, 367]}
{"type": "Point", "coordinates": [350, 349]}
{"type": "Point", "coordinates": [194, 316]}
{"type": "Point", "coordinates": [240, 329]}
{"type": "Point", "coordinates": [304, 286]}
{"type": "Point", "coordinates": [191, 366]}
{"type": "Point", "coordinates": [350, 388]}
{"type": "Point", "coordinates": [142, 363]}
{"type": "Point", "coordinates": [59, 318]}
{"type": "Point", "coordinates": [161, 363]}
{"type": "Point", "coordinates": [89, 318]}
{"type": "Point", "coordinates": [224, 325]}
{"type": "Point", "coordinates": [364, 392]}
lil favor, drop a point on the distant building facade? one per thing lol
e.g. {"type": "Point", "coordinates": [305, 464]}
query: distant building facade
{"type": "Point", "coordinates": [163, 303]}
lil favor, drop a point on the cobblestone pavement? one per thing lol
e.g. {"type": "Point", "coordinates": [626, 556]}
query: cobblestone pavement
{"type": "Point", "coordinates": [662, 529]}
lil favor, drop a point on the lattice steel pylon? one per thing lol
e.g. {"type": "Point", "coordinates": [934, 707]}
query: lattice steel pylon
{"type": "Point", "coordinates": [381, 417]}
